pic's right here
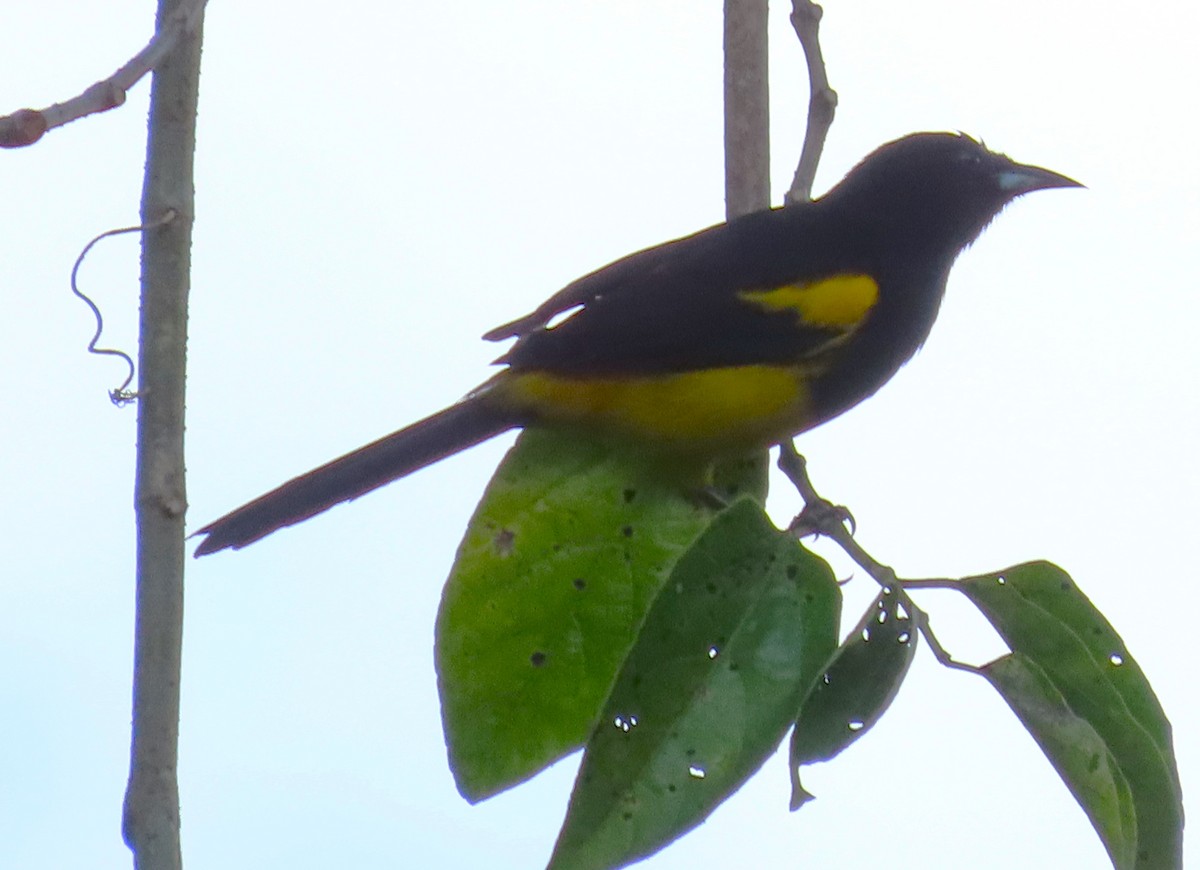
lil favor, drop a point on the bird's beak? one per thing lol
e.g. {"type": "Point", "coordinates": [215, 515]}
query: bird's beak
{"type": "Point", "coordinates": [1019, 178]}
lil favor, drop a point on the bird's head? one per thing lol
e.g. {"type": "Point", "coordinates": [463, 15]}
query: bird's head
{"type": "Point", "coordinates": [943, 188]}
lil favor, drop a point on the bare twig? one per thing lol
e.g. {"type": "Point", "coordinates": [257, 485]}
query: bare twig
{"type": "Point", "coordinates": [822, 99]}
{"type": "Point", "coordinates": [747, 109]}
{"type": "Point", "coordinates": [26, 126]}
{"type": "Point", "coordinates": [151, 818]}
{"type": "Point", "coordinates": [747, 124]}
{"type": "Point", "coordinates": [933, 583]}
{"type": "Point", "coordinates": [939, 652]}
{"type": "Point", "coordinates": [823, 518]}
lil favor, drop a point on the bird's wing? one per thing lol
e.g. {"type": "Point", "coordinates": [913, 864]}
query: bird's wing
{"type": "Point", "coordinates": [762, 289]}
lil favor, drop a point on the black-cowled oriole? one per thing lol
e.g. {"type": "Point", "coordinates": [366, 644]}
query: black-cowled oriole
{"type": "Point", "coordinates": [737, 337]}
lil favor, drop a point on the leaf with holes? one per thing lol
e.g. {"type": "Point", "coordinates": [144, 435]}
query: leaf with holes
{"type": "Point", "coordinates": [743, 626]}
{"type": "Point", "coordinates": [559, 564]}
{"type": "Point", "coordinates": [855, 689]}
{"type": "Point", "coordinates": [1089, 706]}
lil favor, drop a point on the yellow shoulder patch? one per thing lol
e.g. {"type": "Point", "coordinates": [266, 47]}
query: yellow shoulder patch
{"type": "Point", "coordinates": [839, 302]}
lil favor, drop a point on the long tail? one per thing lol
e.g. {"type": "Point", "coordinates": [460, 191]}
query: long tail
{"type": "Point", "coordinates": [460, 426]}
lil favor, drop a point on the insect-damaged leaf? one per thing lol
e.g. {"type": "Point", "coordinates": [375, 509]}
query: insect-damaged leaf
{"type": "Point", "coordinates": [1089, 706]}
{"type": "Point", "coordinates": [744, 624]}
{"type": "Point", "coordinates": [855, 689]}
{"type": "Point", "coordinates": [568, 547]}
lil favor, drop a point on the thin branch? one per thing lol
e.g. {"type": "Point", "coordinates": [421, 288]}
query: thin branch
{"type": "Point", "coordinates": [939, 652]}
{"type": "Point", "coordinates": [747, 127]}
{"type": "Point", "coordinates": [933, 583]}
{"type": "Point", "coordinates": [747, 108]}
{"type": "Point", "coordinates": [151, 817]}
{"type": "Point", "coordinates": [824, 518]}
{"type": "Point", "coordinates": [26, 126]}
{"type": "Point", "coordinates": [822, 99]}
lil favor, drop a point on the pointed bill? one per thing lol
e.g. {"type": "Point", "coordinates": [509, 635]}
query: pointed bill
{"type": "Point", "coordinates": [1020, 178]}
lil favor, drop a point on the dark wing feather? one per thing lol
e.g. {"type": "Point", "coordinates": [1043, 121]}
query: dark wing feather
{"type": "Point", "coordinates": [676, 307]}
{"type": "Point", "coordinates": [617, 277]}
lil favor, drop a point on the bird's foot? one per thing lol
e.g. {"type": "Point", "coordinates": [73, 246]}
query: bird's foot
{"type": "Point", "coordinates": [821, 517]}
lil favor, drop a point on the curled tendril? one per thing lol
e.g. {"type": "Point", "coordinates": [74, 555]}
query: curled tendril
{"type": "Point", "coordinates": [122, 395]}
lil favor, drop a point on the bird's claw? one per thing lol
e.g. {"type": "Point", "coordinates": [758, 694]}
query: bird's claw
{"type": "Point", "coordinates": [821, 517]}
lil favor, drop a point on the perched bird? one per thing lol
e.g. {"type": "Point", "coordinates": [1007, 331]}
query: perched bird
{"type": "Point", "coordinates": [739, 336]}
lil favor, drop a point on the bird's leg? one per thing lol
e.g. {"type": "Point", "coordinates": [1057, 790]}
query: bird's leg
{"type": "Point", "coordinates": [819, 516]}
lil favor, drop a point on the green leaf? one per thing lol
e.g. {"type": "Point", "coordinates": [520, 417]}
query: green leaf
{"type": "Point", "coordinates": [744, 625]}
{"type": "Point", "coordinates": [856, 688]}
{"type": "Point", "coordinates": [566, 550]}
{"type": "Point", "coordinates": [1090, 708]}
{"type": "Point", "coordinates": [1076, 750]}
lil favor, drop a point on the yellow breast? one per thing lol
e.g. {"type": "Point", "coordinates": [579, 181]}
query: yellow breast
{"type": "Point", "coordinates": [711, 410]}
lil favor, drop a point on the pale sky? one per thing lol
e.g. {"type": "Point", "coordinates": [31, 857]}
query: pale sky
{"type": "Point", "coordinates": [378, 186]}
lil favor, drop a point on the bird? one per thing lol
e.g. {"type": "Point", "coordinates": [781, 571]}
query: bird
{"type": "Point", "coordinates": [736, 337]}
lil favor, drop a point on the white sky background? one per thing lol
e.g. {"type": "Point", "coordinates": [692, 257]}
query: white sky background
{"type": "Point", "coordinates": [380, 184]}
